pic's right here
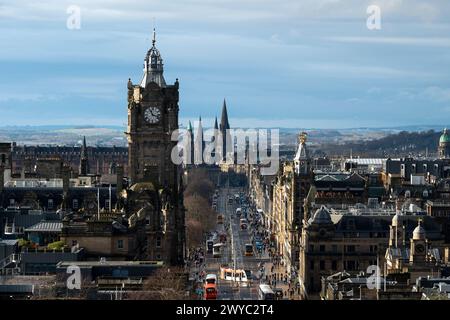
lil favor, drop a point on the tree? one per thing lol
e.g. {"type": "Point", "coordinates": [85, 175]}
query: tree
{"type": "Point", "coordinates": [164, 284]}
{"type": "Point", "coordinates": [200, 217]}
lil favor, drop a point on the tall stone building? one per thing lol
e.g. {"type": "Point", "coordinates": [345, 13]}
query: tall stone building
{"type": "Point", "coordinates": [157, 190]}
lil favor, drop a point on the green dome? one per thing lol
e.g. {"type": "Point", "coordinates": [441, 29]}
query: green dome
{"type": "Point", "coordinates": [445, 137]}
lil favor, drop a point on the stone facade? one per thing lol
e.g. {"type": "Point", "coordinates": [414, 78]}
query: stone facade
{"type": "Point", "coordinates": [157, 190]}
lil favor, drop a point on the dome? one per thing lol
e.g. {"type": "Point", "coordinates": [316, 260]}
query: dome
{"type": "Point", "coordinates": [419, 232]}
{"type": "Point", "coordinates": [153, 66]}
{"type": "Point", "coordinates": [321, 216]}
{"type": "Point", "coordinates": [445, 137]}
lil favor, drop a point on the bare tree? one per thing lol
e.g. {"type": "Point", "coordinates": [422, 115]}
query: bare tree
{"type": "Point", "coordinates": [164, 284]}
{"type": "Point", "coordinates": [200, 217]}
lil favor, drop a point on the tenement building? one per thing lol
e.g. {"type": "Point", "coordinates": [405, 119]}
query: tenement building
{"type": "Point", "coordinates": [290, 190]}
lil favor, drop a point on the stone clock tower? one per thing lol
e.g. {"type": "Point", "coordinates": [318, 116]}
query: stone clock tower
{"type": "Point", "coordinates": [152, 118]}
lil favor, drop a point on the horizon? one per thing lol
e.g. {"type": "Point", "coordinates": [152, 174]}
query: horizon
{"type": "Point", "coordinates": [312, 64]}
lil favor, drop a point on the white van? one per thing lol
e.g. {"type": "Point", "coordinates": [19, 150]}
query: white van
{"type": "Point", "coordinates": [211, 278]}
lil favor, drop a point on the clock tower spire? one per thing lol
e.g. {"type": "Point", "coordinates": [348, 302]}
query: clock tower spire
{"type": "Point", "coordinates": [152, 119]}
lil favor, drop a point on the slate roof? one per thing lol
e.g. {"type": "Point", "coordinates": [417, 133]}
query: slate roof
{"type": "Point", "coordinates": [45, 226]}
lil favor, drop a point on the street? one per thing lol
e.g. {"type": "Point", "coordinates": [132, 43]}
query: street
{"type": "Point", "coordinates": [233, 253]}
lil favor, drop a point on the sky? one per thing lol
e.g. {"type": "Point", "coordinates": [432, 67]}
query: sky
{"type": "Point", "coordinates": [278, 63]}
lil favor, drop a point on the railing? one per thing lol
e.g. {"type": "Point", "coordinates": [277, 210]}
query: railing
{"type": "Point", "coordinates": [12, 258]}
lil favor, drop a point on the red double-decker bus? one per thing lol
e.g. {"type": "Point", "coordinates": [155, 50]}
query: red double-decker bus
{"type": "Point", "coordinates": [210, 292]}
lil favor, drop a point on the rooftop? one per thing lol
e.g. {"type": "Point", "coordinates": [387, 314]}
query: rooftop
{"type": "Point", "coordinates": [45, 226]}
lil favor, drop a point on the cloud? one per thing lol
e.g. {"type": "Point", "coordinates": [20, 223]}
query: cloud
{"type": "Point", "coordinates": [225, 10]}
{"type": "Point", "coordinates": [400, 41]}
{"type": "Point", "coordinates": [362, 71]}
{"type": "Point", "coordinates": [437, 94]}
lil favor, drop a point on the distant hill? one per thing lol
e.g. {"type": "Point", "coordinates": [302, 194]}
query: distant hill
{"type": "Point", "coordinates": [403, 143]}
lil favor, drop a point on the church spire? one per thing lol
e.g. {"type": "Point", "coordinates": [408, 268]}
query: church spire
{"type": "Point", "coordinates": [83, 169]}
{"type": "Point", "coordinates": [199, 143]}
{"type": "Point", "coordinates": [216, 126]}
{"type": "Point", "coordinates": [224, 124]}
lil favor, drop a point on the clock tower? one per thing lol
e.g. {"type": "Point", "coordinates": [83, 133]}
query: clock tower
{"type": "Point", "coordinates": [419, 245]}
{"type": "Point", "coordinates": [156, 180]}
{"type": "Point", "coordinates": [152, 117]}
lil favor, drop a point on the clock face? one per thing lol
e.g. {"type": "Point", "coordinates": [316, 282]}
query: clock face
{"type": "Point", "coordinates": [152, 115]}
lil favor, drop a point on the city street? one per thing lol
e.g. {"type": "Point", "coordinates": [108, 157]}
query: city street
{"type": "Point", "coordinates": [233, 253]}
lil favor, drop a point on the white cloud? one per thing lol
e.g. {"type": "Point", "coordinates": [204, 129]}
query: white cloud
{"type": "Point", "coordinates": [226, 10]}
{"type": "Point", "coordinates": [412, 41]}
{"type": "Point", "coordinates": [362, 71]}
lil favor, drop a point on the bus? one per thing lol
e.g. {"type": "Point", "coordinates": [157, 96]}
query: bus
{"type": "Point", "coordinates": [219, 219]}
{"type": "Point", "coordinates": [248, 249]}
{"type": "Point", "coordinates": [217, 250]}
{"type": "Point", "coordinates": [265, 292]}
{"type": "Point", "coordinates": [209, 246]}
{"type": "Point", "coordinates": [210, 292]}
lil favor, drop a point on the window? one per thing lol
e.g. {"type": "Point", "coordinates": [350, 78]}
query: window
{"type": "Point", "coordinates": [350, 248]}
{"type": "Point", "coordinates": [311, 248]}
{"type": "Point", "coordinates": [158, 242]}
{"type": "Point", "coordinates": [311, 265]}
{"type": "Point", "coordinates": [75, 203]}
{"type": "Point", "coordinates": [322, 248]}
{"type": "Point", "coordinates": [373, 248]}
{"type": "Point", "coordinates": [350, 265]}
{"type": "Point", "coordinates": [107, 204]}
{"type": "Point", "coordinates": [120, 244]}
{"type": "Point", "coordinates": [50, 204]}
{"type": "Point", "coordinates": [12, 202]}
{"type": "Point", "coordinates": [334, 265]}
{"type": "Point", "coordinates": [322, 265]}
{"type": "Point", "coordinates": [334, 248]}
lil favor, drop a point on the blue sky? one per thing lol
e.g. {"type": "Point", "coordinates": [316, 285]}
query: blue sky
{"type": "Point", "coordinates": [288, 63]}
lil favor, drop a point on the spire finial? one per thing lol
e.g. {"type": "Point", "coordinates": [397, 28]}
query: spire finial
{"type": "Point", "coordinates": [154, 37]}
